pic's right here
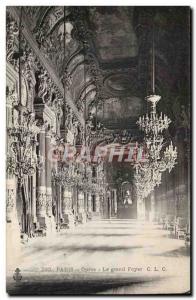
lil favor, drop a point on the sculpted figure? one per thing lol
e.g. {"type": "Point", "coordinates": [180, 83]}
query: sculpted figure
{"type": "Point", "coordinates": [42, 90]}
{"type": "Point", "coordinates": [12, 35]}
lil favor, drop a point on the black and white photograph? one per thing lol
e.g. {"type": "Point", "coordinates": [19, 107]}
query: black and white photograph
{"type": "Point", "coordinates": [98, 150]}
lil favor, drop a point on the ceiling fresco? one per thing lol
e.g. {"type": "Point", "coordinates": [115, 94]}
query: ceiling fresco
{"type": "Point", "coordinates": [122, 83]}
{"type": "Point", "coordinates": [114, 34]}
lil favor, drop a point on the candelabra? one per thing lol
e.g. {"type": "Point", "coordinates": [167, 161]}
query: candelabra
{"type": "Point", "coordinates": [84, 180]}
{"type": "Point", "coordinates": [62, 174]}
{"type": "Point", "coordinates": [22, 159]}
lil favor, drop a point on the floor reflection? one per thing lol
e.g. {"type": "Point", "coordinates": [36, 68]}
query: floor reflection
{"type": "Point", "coordinates": [106, 257]}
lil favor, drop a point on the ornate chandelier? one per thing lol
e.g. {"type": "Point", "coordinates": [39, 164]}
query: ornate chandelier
{"type": "Point", "coordinates": [62, 175]}
{"type": "Point", "coordinates": [157, 160]}
{"type": "Point", "coordinates": [153, 124]}
{"type": "Point", "coordinates": [149, 172]}
{"type": "Point", "coordinates": [153, 127]}
{"type": "Point", "coordinates": [146, 178]}
{"type": "Point", "coordinates": [22, 159]}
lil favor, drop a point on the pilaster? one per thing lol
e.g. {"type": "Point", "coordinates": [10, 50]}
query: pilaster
{"type": "Point", "coordinates": [41, 188]}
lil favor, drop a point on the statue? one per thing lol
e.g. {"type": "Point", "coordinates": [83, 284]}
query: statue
{"type": "Point", "coordinates": [127, 198]}
{"type": "Point", "coordinates": [43, 84]}
{"type": "Point", "coordinates": [57, 107]}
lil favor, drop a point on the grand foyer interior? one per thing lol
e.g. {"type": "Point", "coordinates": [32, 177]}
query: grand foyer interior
{"type": "Point", "coordinates": [77, 78]}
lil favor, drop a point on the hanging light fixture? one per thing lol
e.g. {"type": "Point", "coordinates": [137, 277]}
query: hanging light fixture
{"type": "Point", "coordinates": [62, 175]}
{"type": "Point", "coordinates": [22, 159]}
{"type": "Point", "coordinates": [148, 173]}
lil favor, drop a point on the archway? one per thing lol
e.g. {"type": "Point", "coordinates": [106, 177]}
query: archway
{"type": "Point", "coordinates": [127, 202]}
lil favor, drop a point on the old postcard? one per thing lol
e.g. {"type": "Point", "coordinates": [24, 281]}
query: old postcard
{"type": "Point", "coordinates": [98, 103]}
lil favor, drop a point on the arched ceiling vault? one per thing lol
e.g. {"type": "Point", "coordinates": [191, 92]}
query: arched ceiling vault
{"type": "Point", "coordinates": [117, 42]}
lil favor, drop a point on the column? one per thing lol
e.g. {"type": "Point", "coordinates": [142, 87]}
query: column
{"type": "Point", "coordinates": [81, 211]}
{"type": "Point", "coordinates": [85, 200]}
{"type": "Point", "coordinates": [10, 200]}
{"type": "Point", "coordinates": [41, 190]}
{"type": "Point", "coordinates": [55, 195]}
{"type": "Point", "coordinates": [101, 197]}
{"type": "Point", "coordinates": [58, 205]}
{"type": "Point", "coordinates": [34, 212]}
{"type": "Point", "coordinates": [74, 201]}
{"type": "Point", "coordinates": [152, 208]}
{"type": "Point", "coordinates": [67, 213]}
{"type": "Point", "coordinates": [109, 204]}
{"type": "Point", "coordinates": [97, 203]}
{"type": "Point", "coordinates": [115, 202]}
{"type": "Point", "coordinates": [141, 209]}
{"type": "Point", "coordinates": [12, 226]}
{"type": "Point", "coordinates": [89, 203]}
{"type": "Point", "coordinates": [51, 225]}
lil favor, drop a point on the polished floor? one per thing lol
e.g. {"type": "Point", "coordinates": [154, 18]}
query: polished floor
{"type": "Point", "coordinates": [104, 257]}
